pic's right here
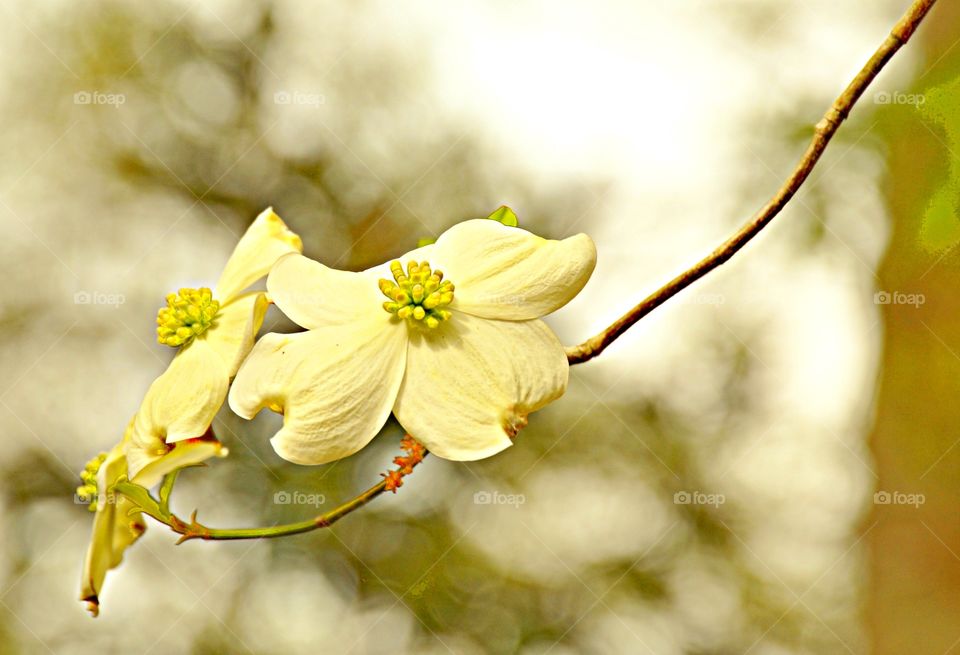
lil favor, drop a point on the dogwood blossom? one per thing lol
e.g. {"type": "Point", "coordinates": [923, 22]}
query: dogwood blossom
{"type": "Point", "coordinates": [117, 523]}
{"type": "Point", "coordinates": [214, 330]}
{"type": "Point", "coordinates": [459, 356]}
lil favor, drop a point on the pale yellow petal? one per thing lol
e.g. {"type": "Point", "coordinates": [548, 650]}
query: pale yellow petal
{"type": "Point", "coordinates": [235, 329]}
{"type": "Point", "coordinates": [511, 274]}
{"type": "Point", "coordinates": [470, 384]}
{"type": "Point", "coordinates": [183, 454]}
{"type": "Point", "coordinates": [265, 241]}
{"type": "Point", "coordinates": [313, 295]}
{"type": "Point", "coordinates": [335, 386]}
{"type": "Point", "coordinates": [180, 404]}
{"type": "Point", "coordinates": [114, 530]}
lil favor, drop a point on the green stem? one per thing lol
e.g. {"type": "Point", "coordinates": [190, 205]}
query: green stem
{"type": "Point", "coordinates": [192, 529]}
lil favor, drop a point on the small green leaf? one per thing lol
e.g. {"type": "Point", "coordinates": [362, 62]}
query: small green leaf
{"type": "Point", "coordinates": [142, 499]}
{"type": "Point", "coordinates": [166, 488]}
{"type": "Point", "coordinates": [505, 215]}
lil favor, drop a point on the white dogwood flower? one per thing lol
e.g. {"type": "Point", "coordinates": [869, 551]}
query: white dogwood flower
{"type": "Point", "coordinates": [458, 356]}
{"type": "Point", "coordinates": [117, 523]}
{"type": "Point", "coordinates": [214, 331]}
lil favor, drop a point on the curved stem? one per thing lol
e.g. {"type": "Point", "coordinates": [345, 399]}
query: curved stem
{"type": "Point", "coordinates": [823, 133]}
{"type": "Point", "coordinates": [159, 509]}
{"type": "Point", "coordinates": [194, 530]}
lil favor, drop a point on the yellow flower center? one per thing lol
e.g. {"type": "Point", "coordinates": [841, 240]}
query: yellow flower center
{"type": "Point", "coordinates": [189, 312]}
{"type": "Point", "coordinates": [87, 492]}
{"type": "Point", "coordinates": [418, 294]}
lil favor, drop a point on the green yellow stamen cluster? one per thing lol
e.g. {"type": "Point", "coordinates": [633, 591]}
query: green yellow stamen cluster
{"type": "Point", "coordinates": [87, 492]}
{"type": "Point", "coordinates": [418, 294]}
{"type": "Point", "coordinates": [188, 313]}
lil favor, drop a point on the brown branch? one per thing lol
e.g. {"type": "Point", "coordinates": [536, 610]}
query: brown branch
{"type": "Point", "coordinates": [823, 133]}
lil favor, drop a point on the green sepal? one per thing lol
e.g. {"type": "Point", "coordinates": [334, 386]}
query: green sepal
{"type": "Point", "coordinates": [145, 503]}
{"type": "Point", "coordinates": [505, 215]}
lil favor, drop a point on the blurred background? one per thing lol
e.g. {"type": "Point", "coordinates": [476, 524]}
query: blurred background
{"type": "Point", "coordinates": [766, 465]}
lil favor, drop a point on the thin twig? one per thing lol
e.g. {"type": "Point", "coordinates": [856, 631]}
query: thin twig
{"type": "Point", "coordinates": [824, 131]}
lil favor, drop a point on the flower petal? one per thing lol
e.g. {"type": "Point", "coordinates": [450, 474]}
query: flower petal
{"type": "Point", "coordinates": [265, 241]}
{"type": "Point", "coordinates": [315, 296]}
{"type": "Point", "coordinates": [114, 529]}
{"type": "Point", "coordinates": [180, 455]}
{"type": "Point", "coordinates": [335, 386]}
{"type": "Point", "coordinates": [510, 274]}
{"type": "Point", "coordinates": [180, 404]}
{"type": "Point", "coordinates": [470, 385]}
{"type": "Point", "coordinates": [235, 329]}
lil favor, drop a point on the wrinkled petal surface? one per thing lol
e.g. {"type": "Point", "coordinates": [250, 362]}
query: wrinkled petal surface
{"type": "Point", "coordinates": [334, 385]}
{"type": "Point", "coordinates": [265, 241]}
{"type": "Point", "coordinates": [469, 387]}
{"type": "Point", "coordinates": [508, 273]}
{"type": "Point", "coordinates": [235, 329]}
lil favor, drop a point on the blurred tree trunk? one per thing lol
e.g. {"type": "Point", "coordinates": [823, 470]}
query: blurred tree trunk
{"type": "Point", "coordinates": [914, 599]}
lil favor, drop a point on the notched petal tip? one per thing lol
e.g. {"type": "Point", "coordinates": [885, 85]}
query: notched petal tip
{"type": "Point", "coordinates": [93, 605]}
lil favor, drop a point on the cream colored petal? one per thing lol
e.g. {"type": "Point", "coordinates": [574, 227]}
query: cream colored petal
{"type": "Point", "coordinates": [180, 404]}
{"type": "Point", "coordinates": [235, 329]}
{"type": "Point", "coordinates": [182, 454]}
{"type": "Point", "coordinates": [508, 273]}
{"type": "Point", "coordinates": [315, 296]}
{"type": "Point", "coordinates": [114, 530]}
{"type": "Point", "coordinates": [469, 385]}
{"type": "Point", "coordinates": [335, 386]}
{"type": "Point", "coordinates": [265, 241]}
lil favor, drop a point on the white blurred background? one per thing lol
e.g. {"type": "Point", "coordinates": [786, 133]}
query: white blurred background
{"type": "Point", "coordinates": [703, 486]}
